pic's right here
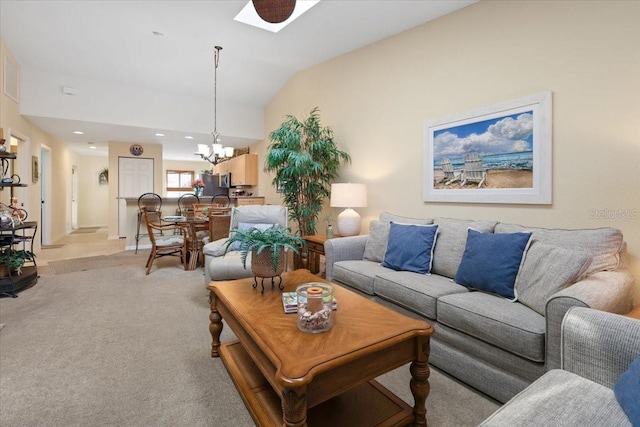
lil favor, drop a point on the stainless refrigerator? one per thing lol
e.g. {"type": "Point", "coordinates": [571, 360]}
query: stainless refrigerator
{"type": "Point", "coordinates": [212, 185]}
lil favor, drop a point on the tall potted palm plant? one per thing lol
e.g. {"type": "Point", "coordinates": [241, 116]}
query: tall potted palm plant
{"type": "Point", "coordinates": [305, 159]}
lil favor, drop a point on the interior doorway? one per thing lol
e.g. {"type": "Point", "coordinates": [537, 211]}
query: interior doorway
{"type": "Point", "coordinates": [45, 192]}
{"type": "Point", "coordinates": [74, 197]}
{"type": "Point", "coordinates": [135, 177]}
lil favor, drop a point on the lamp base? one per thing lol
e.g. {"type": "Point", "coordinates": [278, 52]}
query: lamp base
{"type": "Point", "coordinates": [348, 223]}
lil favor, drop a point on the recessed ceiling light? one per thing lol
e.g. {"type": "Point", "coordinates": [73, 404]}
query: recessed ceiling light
{"type": "Point", "coordinates": [159, 134]}
{"type": "Point", "coordinates": [92, 145]}
{"type": "Point", "coordinates": [188, 137]}
{"type": "Point", "coordinates": [248, 15]}
{"type": "Point", "coordinates": [78, 132]}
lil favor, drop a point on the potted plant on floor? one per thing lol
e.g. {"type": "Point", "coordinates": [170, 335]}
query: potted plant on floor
{"type": "Point", "coordinates": [305, 159]}
{"type": "Point", "coordinates": [13, 260]}
{"type": "Point", "coordinates": [268, 249]}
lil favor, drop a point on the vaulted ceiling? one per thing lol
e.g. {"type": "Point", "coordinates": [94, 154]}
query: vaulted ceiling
{"type": "Point", "coordinates": [137, 68]}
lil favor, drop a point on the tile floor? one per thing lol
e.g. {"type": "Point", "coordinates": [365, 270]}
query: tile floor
{"type": "Point", "coordinates": [80, 245]}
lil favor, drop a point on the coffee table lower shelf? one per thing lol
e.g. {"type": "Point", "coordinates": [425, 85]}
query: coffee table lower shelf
{"type": "Point", "coordinates": [369, 404]}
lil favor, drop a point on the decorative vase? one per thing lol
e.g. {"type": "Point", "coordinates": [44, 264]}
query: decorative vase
{"type": "Point", "coordinates": [329, 231]}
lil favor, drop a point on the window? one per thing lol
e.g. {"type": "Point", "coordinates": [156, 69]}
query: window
{"type": "Point", "coordinates": [179, 180]}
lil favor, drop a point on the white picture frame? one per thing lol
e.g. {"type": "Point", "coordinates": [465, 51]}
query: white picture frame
{"type": "Point", "coordinates": [514, 141]}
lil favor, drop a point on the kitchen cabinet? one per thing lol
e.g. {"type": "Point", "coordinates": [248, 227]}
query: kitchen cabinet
{"type": "Point", "coordinates": [244, 170]}
{"type": "Point", "coordinates": [243, 201]}
{"type": "Point", "coordinates": [222, 167]}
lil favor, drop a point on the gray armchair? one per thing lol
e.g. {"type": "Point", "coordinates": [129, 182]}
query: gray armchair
{"type": "Point", "coordinates": [597, 347]}
{"type": "Point", "coordinates": [221, 266]}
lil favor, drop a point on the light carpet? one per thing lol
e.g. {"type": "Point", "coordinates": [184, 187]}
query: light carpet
{"type": "Point", "coordinates": [103, 261]}
{"type": "Point", "coordinates": [113, 347]}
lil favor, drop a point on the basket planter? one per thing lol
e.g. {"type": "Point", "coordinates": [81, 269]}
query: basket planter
{"type": "Point", "coordinates": [261, 265]}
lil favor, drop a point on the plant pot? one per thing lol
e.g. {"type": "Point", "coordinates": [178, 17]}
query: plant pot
{"type": "Point", "coordinates": [261, 265]}
{"type": "Point", "coordinates": [4, 271]}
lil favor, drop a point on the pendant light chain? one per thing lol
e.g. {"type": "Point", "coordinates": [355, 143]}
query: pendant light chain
{"type": "Point", "coordinates": [216, 60]}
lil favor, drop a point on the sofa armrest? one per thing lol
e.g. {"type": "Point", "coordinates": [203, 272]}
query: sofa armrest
{"type": "Point", "coordinates": [609, 291]}
{"type": "Point", "coordinates": [598, 345]}
{"type": "Point", "coordinates": [343, 249]}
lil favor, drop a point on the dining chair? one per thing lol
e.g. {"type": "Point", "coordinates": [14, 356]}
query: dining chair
{"type": "Point", "coordinates": [152, 202]}
{"type": "Point", "coordinates": [169, 245]}
{"type": "Point", "coordinates": [221, 200]}
{"type": "Point", "coordinates": [186, 202]}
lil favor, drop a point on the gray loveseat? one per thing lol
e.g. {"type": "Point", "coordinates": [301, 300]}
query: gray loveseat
{"type": "Point", "coordinates": [597, 348]}
{"type": "Point", "coordinates": [496, 346]}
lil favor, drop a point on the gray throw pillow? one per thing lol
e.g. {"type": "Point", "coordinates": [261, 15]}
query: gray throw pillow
{"type": "Point", "coordinates": [452, 241]}
{"type": "Point", "coordinates": [546, 270]}
{"type": "Point", "coordinates": [605, 245]}
{"type": "Point", "coordinates": [376, 245]}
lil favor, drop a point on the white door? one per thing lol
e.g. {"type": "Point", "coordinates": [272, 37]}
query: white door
{"type": "Point", "coordinates": [135, 177]}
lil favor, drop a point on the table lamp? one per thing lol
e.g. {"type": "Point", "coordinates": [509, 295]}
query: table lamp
{"type": "Point", "coordinates": [347, 195]}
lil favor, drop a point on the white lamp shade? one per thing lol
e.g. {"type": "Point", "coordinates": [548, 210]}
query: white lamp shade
{"type": "Point", "coordinates": [228, 151]}
{"type": "Point", "coordinates": [348, 195]}
{"type": "Point", "coordinates": [203, 149]}
{"type": "Point", "coordinates": [217, 149]}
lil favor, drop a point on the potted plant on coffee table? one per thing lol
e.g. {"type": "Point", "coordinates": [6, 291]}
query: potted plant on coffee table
{"type": "Point", "coordinates": [268, 250]}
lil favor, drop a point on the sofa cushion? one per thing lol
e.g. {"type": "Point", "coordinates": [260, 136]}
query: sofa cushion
{"type": "Point", "coordinates": [511, 326]}
{"type": "Point", "coordinates": [452, 238]}
{"type": "Point", "coordinates": [229, 266]}
{"type": "Point", "coordinates": [358, 274]}
{"type": "Point", "coordinates": [546, 270]}
{"type": "Point", "coordinates": [491, 262]}
{"type": "Point", "coordinates": [560, 398]}
{"type": "Point", "coordinates": [379, 234]}
{"type": "Point", "coordinates": [416, 292]}
{"type": "Point", "coordinates": [410, 247]}
{"type": "Point", "coordinates": [605, 245]}
{"type": "Point", "coordinates": [627, 392]}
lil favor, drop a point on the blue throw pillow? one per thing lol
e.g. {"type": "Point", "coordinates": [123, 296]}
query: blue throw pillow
{"type": "Point", "coordinates": [627, 391]}
{"type": "Point", "coordinates": [410, 247]}
{"type": "Point", "coordinates": [491, 262]}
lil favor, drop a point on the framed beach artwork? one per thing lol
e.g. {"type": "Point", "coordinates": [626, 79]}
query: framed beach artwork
{"type": "Point", "coordinates": [498, 154]}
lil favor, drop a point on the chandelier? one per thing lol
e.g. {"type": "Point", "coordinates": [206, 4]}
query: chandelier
{"type": "Point", "coordinates": [216, 152]}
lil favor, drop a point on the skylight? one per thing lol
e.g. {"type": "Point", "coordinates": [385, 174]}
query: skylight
{"type": "Point", "coordinates": [248, 15]}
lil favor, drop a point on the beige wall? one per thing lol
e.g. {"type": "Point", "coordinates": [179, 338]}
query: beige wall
{"type": "Point", "coordinates": [92, 197]}
{"type": "Point", "coordinates": [61, 163]}
{"type": "Point", "coordinates": [378, 98]}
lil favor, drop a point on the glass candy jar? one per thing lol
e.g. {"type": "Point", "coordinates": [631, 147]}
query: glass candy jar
{"type": "Point", "coordinates": [315, 302]}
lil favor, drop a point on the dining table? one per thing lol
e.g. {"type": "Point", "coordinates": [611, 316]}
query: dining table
{"type": "Point", "coordinates": [192, 224]}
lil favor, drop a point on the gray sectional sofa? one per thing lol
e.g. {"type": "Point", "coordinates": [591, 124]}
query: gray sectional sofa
{"type": "Point", "coordinates": [487, 341]}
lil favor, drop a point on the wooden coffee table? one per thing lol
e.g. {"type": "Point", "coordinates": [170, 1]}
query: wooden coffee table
{"type": "Point", "coordinates": [286, 375]}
